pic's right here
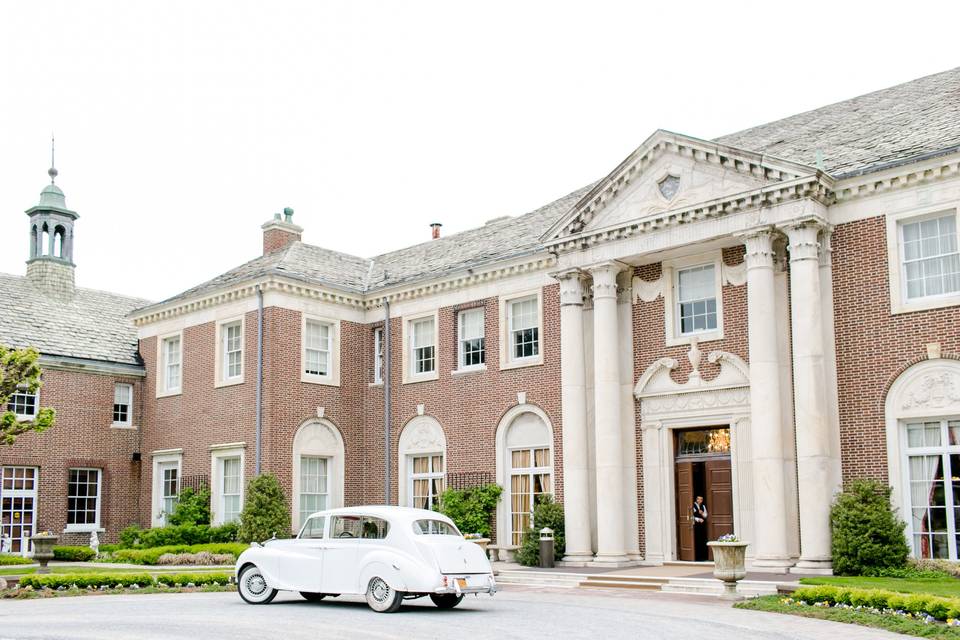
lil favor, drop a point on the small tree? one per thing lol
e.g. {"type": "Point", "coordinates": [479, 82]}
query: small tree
{"type": "Point", "coordinates": [546, 513]}
{"type": "Point", "coordinates": [265, 513]}
{"type": "Point", "coordinates": [20, 373]}
{"type": "Point", "coordinates": [867, 534]}
{"type": "Point", "coordinates": [471, 509]}
{"type": "Point", "coordinates": [193, 507]}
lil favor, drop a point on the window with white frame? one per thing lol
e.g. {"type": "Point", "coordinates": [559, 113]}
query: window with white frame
{"type": "Point", "coordinates": [169, 487]}
{"type": "Point", "coordinates": [122, 404]}
{"type": "Point", "coordinates": [314, 485]}
{"type": "Point", "coordinates": [378, 355]}
{"type": "Point", "coordinates": [523, 320]}
{"type": "Point", "coordinates": [231, 479]}
{"type": "Point", "coordinates": [930, 257]}
{"type": "Point", "coordinates": [426, 480]}
{"type": "Point", "coordinates": [83, 499]}
{"type": "Point", "coordinates": [530, 477]}
{"type": "Point", "coordinates": [696, 299]}
{"type": "Point", "coordinates": [24, 404]}
{"type": "Point", "coordinates": [231, 348]}
{"type": "Point", "coordinates": [171, 370]}
{"type": "Point", "coordinates": [423, 346]}
{"type": "Point", "coordinates": [933, 471]}
{"type": "Point", "coordinates": [317, 348]}
{"type": "Point", "coordinates": [470, 332]}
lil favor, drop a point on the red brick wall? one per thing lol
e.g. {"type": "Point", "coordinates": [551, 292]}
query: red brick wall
{"type": "Point", "coordinates": [275, 239]}
{"type": "Point", "coordinates": [82, 437]}
{"type": "Point", "coordinates": [874, 346]}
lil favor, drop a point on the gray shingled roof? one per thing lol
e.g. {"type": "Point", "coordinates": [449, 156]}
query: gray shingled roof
{"type": "Point", "coordinates": [93, 326]}
{"type": "Point", "coordinates": [912, 119]}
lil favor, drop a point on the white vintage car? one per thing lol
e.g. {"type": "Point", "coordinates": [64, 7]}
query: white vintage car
{"type": "Point", "coordinates": [386, 553]}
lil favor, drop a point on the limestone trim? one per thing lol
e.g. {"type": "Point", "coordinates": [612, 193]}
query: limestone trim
{"type": "Point", "coordinates": [161, 387]}
{"type": "Point", "coordinates": [657, 383]}
{"type": "Point", "coordinates": [422, 435]}
{"type": "Point", "coordinates": [670, 290]}
{"type": "Point", "coordinates": [220, 379]}
{"type": "Point", "coordinates": [332, 377]}
{"type": "Point", "coordinates": [408, 376]}
{"type": "Point", "coordinates": [219, 453]}
{"type": "Point", "coordinates": [507, 360]}
{"type": "Point", "coordinates": [899, 303]}
{"type": "Point", "coordinates": [885, 180]}
{"type": "Point", "coordinates": [321, 438]}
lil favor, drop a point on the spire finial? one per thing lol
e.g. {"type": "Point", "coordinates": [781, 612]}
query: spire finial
{"type": "Point", "coordinates": [52, 171]}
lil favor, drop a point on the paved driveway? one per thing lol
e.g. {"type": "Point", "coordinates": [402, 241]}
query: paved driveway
{"type": "Point", "coordinates": [515, 612]}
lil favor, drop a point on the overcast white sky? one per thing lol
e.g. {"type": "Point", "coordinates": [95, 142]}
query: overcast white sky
{"type": "Point", "coordinates": [182, 126]}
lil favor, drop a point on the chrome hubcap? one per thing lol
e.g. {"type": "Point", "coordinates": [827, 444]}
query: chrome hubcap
{"type": "Point", "coordinates": [255, 584]}
{"type": "Point", "coordinates": [379, 590]}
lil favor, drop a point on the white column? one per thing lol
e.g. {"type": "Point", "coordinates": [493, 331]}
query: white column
{"type": "Point", "coordinates": [574, 419]}
{"type": "Point", "coordinates": [770, 530]}
{"type": "Point", "coordinates": [811, 404]}
{"type": "Point", "coordinates": [830, 353]}
{"type": "Point", "coordinates": [611, 547]}
{"type": "Point", "coordinates": [628, 420]}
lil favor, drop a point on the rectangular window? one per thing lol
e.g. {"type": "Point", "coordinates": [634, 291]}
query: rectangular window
{"type": "Point", "coordinates": [83, 498]}
{"type": "Point", "coordinates": [524, 322]}
{"type": "Point", "coordinates": [427, 480]}
{"type": "Point", "coordinates": [232, 479]}
{"type": "Point", "coordinates": [530, 477]}
{"type": "Point", "coordinates": [697, 299]}
{"type": "Point", "coordinates": [471, 338]}
{"type": "Point", "coordinates": [171, 364]}
{"type": "Point", "coordinates": [424, 346]}
{"type": "Point", "coordinates": [169, 487]}
{"type": "Point", "coordinates": [931, 261]}
{"type": "Point", "coordinates": [232, 349]}
{"type": "Point", "coordinates": [313, 485]}
{"type": "Point", "coordinates": [122, 404]}
{"type": "Point", "coordinates": [933, 467]}
{"type": "Point", "coordinates": [317, 348]}
{"type": "Point", "coordinates": [24, 404]}
{"type": "Point", "coordinates": [377, 355]}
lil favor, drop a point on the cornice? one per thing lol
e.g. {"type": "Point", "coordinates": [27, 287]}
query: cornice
{"type": "Point", "coordinates": [99, 367]}
{"type": "Point", "coordinates": [897, 178]}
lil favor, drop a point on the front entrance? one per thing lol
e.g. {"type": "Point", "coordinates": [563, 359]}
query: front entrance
{"type": "Point", "coordinates": [702, 467]}
{"type": "Point", "coordinates": [18, 505]}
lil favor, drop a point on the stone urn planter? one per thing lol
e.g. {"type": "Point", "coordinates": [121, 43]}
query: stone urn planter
{"type": "Point", "coordinates": [729, 565]}
{"type": "Point", "coordinates": [43, 549]}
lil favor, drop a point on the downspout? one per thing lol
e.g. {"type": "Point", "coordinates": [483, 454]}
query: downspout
{"type": "Point", "coordinates": [386, 399]}
{"type": "Point", "coordinates": [259, 438]}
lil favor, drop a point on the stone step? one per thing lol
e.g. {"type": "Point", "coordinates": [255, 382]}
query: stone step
{"type": "Point", "coordinates": [648, 585]}
{"type": "Point", "coordinates": [540, 578]}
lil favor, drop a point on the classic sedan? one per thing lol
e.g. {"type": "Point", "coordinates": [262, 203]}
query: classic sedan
{"type": "Point", "coordinates": [387, 554]}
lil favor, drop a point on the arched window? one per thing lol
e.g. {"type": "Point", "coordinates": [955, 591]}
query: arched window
{"type": "Point", "coordinates": [923, 455]}
{"type": "Point", "coordinates": [421, 463]}
{"type": "Point", "coordinates": [33, 241]}
{"type": "Point", "coordinates": [58, 237]}
{"type": "Point", "coordinates": [45, 240]}
{"type": "Point", "coordinates": [524, 468]}
{"type": "Point", "coordinates": [318, 464]}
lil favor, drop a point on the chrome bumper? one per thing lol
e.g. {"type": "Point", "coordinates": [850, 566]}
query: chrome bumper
{"type": "Point", "coordinates": [455, 588]}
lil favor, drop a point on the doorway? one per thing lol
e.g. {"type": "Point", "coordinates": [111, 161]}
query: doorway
{"type": "Point", "coordinates": [702, 468]}
{"type": "Point", "coordinates": [18, 503]}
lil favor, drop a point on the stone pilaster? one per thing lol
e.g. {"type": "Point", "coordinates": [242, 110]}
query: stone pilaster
{"type": "Point", "coordinates": [611, 543]}
{"type": "Point", "coordinates": [576, 482]}
{"type": "Point", "coordinates": [766, 414]}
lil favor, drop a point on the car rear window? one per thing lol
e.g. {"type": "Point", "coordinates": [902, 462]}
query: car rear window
{"type": "Point", "coordinates": [434, 528]}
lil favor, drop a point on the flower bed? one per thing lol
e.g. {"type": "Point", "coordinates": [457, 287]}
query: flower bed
{"type": "Point", "coordinates": [919, 605]}
{"type": "Point", "coordinates": [102, 581]}
{"type": "Point", "coordinates": [14, 560]}
{"type": "Point", "coordinates": [153, 555]}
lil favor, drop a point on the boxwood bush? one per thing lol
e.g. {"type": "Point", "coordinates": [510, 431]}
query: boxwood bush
{"type": "Point", "coordinates": [197, 579]}
{"type": "Point", "coordinates": [152, 555]}
{"type": "Point", "coordinates": [916, 603]}
{"type": "Point", "coordinates": [133, 537]}
{"type": "Point", "coordinates": [74, 553]}
{"type": "Point", "coordinates": [95, 580]}
{"type": "Point", "coordinates": [867, 534]}
{"type": "Point", "coordinates": [12, 560]}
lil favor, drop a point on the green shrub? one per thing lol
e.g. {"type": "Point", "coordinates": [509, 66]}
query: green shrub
{"type": "Point", "coordinates": [193, 507]}
{"type": "Point", "coordinates": [198, 579]}
{"type": "Point", "coordinates": [471, 509]}
{"type": "Point", "coordinates": [867, 534]}
{"type": "Point", "coordinates": [133, 537]}
{"type": "Point", "coordinates": [74, 554]}
{"type": "Point", "coordinates": [12, 560]}
{"type": "Point", "coordinates": [916, 603]}
{"type": "Point", "coordinates": [199, 558]}
{"type": "Point", "coordinates": [84, 580]}
{"type": "Point", "coordinates": [108, 548]}
{"type": "Point", "coordinates": [265, 512]}
{"type": "Point", "coordinates": [546, 513]}
{"type": "Point", "coordinates": [152, 555]}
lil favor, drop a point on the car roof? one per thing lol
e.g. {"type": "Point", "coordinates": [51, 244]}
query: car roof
{"type": "Point", "coordinates": [387, 512]}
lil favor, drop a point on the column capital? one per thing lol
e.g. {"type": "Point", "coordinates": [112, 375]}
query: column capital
{"type": "Point", "coordinates": [571, 286]}
{"type": "Point", "coordinates": [605, 278]}
{"type": "Point", "coordinates": [826, 246]}
{"type": "Point", "coordinates": [804, 238]}
{"type": "Point", "coordinates": [759, 244]}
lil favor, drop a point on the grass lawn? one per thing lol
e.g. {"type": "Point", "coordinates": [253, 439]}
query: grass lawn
{"type": "Point", "coordinates": [946, 586]}
{"type": "Point", "coordinates": [895, 624]}
{"type": "Point", "coordinates": [105, 568]}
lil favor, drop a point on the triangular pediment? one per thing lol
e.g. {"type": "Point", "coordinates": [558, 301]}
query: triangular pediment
{"type": "Point", "coordinates": [670, 172]}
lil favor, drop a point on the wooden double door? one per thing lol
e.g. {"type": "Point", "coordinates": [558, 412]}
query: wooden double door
{"type": "Point", "coordinates": [711, 478]}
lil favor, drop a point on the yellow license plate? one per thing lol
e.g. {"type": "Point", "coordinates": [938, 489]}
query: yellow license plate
{"type": "Point", "coordinates": [462, 582]}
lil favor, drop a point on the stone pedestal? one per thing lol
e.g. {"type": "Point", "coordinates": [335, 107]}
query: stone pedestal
{"type": "Point", "coordinates": [43, 550]}
{"type": "Point", "coordinates": [729, 565]}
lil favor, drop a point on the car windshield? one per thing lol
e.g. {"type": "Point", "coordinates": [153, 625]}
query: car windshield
{"type": "Point", "coordinates": [434, 528]}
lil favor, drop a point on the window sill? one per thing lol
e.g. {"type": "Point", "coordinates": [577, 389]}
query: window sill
{"type": "Point", "coordinates": [375, 384]}
{"type": "Point", "coordinates": [327, 381]}
{"type": "Point", "coordinates": [925, 304]}
{"type": "Point", "coordinates": [705, 336]}
{"type": "Point", "coordinates": [84, 528]}
{"type": "Point", "coordinates": [519, 364]}
{"type": "Point", "coordinates": [124, 427]}
{"type": "Point", "coordinates": [428, 377]}
{"type": "Point", "coordinates": [467, 371]}
{"type": "Point", "coordinates": [228, 383]}
{"type": "Point", "coordinates": [169, 394]}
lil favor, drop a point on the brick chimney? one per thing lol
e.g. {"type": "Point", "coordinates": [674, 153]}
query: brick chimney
{"type": "Point", "coordinates": [435, 230]}
{"type": "Point", "coordinates": [280, 232]}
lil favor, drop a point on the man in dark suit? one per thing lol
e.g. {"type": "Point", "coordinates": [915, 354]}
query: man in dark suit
{"type": "Point", "coordinates": [700, 516]}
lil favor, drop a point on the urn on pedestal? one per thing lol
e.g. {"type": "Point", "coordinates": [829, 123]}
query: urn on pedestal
{"type": "Point", "coordinates": [43, 549]}
{"type": "Point", "coordinates": [729, 564]}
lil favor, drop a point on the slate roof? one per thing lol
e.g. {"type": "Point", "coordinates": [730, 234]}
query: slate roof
{"type": "Point", "coordinates": [868, 132]}
{"type": "Point", "coordinates": [93, 326]}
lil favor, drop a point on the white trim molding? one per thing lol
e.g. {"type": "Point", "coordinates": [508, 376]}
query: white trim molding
{"type": "Point", "coordinates": [504, 301]}
{"type": "Point", "coordinates": [219, 453]}
{"type": "Point", "coordinates": [219, 377]}
{"type": "Point", "coordinates": [406, 359]}
{"type": "Point", "coordinates": [160, 457]}
{"type": "Point", "coordinates": [332, 378]}
{"type": "Point", "coordinates": [423, 435]}
{"type": "Point", "coordinates": [898, 300]}
{"type": "Point", "coordinates": [162, 390]}
{"type": "Point", "coordinates": [318, 437]}
{"type": "Point", "coordinates": [670, 291]}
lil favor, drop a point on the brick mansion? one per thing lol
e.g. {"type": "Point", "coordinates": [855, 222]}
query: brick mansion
{"type": "Point", "coordinates": [755, 319]}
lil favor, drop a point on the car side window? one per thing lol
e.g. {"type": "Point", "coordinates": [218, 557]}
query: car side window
{"type": "Point", "coordinates": [345, 527]}
{"type": "Point", "coordinates": [374, 528]}
{"type": "Point", "coordinates": [313, 528]}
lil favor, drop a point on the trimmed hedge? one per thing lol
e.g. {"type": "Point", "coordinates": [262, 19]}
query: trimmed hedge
{"type": "Point", "coordinates": [152, 555]}
{"type": "Point", "coordinates": [74, 554]}
{"type": "Point", "coordinates": [916, 603]}
{"type": "Point", "coordinates": [867, 533]}
{"type": "Point", "coordinates": [133, 537]}
{"type": "Point", "coordinates": [96, 580]}
{"type": "Point", "coordinates": [12, 560]}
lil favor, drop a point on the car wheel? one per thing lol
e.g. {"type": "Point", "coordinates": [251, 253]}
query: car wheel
{"type": "Point", "coordinates": [446, 600]}
{"type": "Point", "coordinates": [313, 597]}
{"type": "Point", "coordinates": [253, 586]}
{"type": "Point", "coordinates": [383, 598]}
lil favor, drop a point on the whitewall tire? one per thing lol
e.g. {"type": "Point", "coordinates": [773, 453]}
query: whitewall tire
{"type": "Point", "coordinates": [381, 597]}
{"type": "Point", "coordinates": [253, 586]}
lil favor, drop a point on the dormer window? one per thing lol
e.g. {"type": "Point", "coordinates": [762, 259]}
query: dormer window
{"type": "Point", "coordinates": [669, 186]}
